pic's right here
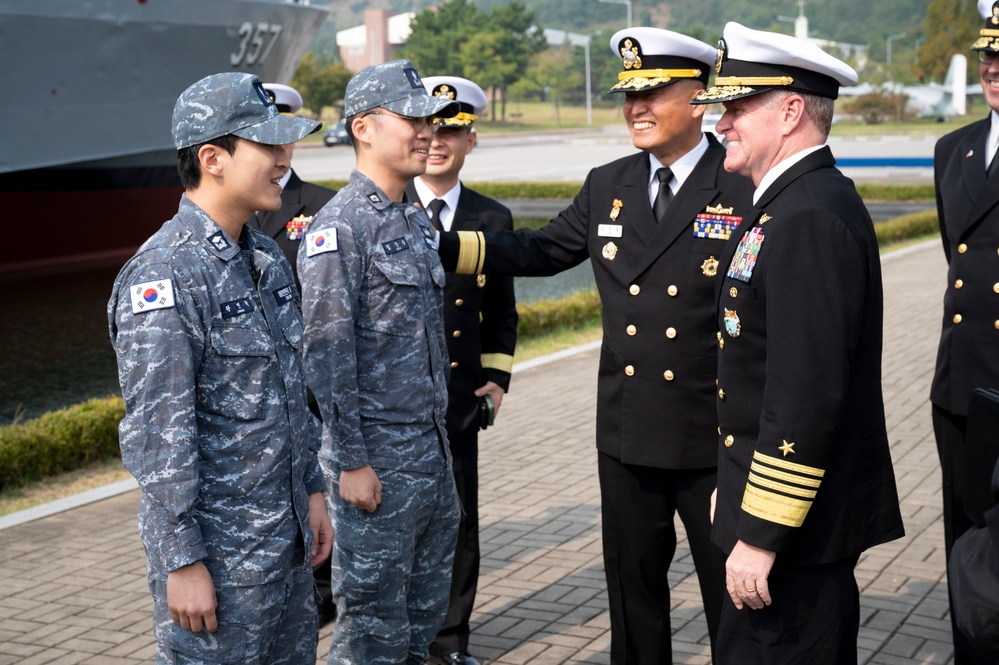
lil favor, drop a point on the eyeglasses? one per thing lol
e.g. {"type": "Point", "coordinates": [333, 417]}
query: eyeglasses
{"type": "Point", "coordinates": [986, 57]}
{"type": "Point", "coordinates": [419, 124]}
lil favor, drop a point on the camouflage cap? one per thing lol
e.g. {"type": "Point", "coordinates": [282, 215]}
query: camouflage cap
{"type": "Point", "coordinates": [397, 87]}
{"type": "Point", "coordinates": [234, 103]}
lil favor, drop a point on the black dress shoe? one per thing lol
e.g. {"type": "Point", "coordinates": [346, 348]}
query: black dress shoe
{"type": "Point", "coordinates": [456, 658]}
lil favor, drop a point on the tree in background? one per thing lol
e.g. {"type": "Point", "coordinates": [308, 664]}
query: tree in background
{"type": "Point", "coordinates": [484, 63]}
{"type": "Point", "coordinates": [951, 27]}
{"type": "Point", "coordinates": [438, 36]}
{"type": "Point", "coordinates": [553, 72]}
{"type": "Point", "coordinates": [520, 39]}
{"type": "Point", "coordinates": [320, 86]}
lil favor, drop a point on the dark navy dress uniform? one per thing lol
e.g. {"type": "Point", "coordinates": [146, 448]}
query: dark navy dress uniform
{"type": "Point", "coordinates": [804, 467]}
{"type": "Point", "coordinates": [656, 387]}
{"type": "Point", "coordinates": [480, 322]}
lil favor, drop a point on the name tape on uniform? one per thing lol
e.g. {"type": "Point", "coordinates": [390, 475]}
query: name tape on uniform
{"type": "Point", "coordinates": [319, 242]}
{"type": "Point", "coordinates": [610, 230]}
{"type": "Point", "coordinates": [147, 296]}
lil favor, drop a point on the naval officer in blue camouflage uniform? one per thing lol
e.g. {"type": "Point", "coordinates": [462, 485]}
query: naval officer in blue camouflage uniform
{"type": "Point", "coordinates": [205, 324]}
{"type": "Point", "coordinates": [377, 361]}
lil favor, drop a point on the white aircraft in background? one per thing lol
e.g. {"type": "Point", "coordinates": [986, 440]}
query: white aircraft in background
{"type": "Point", "coordinates": [930, 100]}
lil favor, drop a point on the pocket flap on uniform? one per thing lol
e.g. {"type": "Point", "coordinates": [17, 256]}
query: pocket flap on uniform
{"type": "Point", "coordinates": [399, 272]}
{"type": "Point", "coordinates": [293, 333]}
{"type": "Point", "coordinates": [225, 645]}
{"type": "Point", "coordinates": [242, 341]}
{"type": "Point", "coordinates": [373, 540]}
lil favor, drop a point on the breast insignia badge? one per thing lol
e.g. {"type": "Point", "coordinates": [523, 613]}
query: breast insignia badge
{"type": "Point", "coordinates": [616, 209]}
{"type": "Point", "coordinates": [733, 326]}
{"type": "Point", "coordinates": [710, 266]}
{"type": "Point", "coordinates": [610, 251]}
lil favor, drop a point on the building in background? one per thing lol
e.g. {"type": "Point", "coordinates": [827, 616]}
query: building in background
{"type": "Point", "coordinates": [375, 42]}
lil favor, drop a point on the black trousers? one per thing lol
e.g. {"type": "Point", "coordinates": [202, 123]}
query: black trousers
{"type": "Point", "coordinates": [454, 632]}
{"type": "Point", "coordinates": [813, 620]}
{"type": "Point", "coordinates": [638, 506]}
{"type": "Point", "coordinates": [950, 429]}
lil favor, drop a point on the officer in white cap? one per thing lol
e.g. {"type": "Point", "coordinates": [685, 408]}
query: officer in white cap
{"type": "Point", "coordinates": [968, 357]}
{"type": "Point", "coordinates": [480, 319]}
{"type": "Point", "coordinates": [653, 225]}
{"type": "Point", "coordinates": [805, 479]}
{"type": "Point", "coordinates": [300, 200]}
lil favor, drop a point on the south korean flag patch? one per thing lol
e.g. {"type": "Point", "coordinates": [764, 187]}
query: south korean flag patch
{"type": "Point", "coordinates": [157, 294]}
{"type": "Point", "coordinates": [319, 242]}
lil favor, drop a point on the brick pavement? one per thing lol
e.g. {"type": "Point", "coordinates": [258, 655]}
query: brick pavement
{"type": "Point", "coordinates": [72, 587]}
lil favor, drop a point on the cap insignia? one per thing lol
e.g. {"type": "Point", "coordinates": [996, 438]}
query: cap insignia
{"type": "Point", "coordinates": [721, 55]}
{"type": "Point", "coordinates": [995, 15]}
{"type": "Point", "coordinates": [445, 91]}
{"type": "Point", "coordinates": [631, 55]}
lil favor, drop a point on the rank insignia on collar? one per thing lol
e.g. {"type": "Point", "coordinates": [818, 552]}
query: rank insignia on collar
{"type": "Point", "coordinates": [616, 209]}
{"type": "Point", "coordinates": [610, 251]}
{"type": "Point", "coordinates": [219, 241]}
{"type": "Point", "coordinates": [480, 281]}
{"type": "Point", "coordinates": [374, 198]}
{"type": "Point", "coordinates": [733, 326]}
{"type": "Point", "coordinates": [764, 218]}
{"type": "Point", "coordinates": [295, 229]}
{"type": "Point", "coordinates": [710, 266]}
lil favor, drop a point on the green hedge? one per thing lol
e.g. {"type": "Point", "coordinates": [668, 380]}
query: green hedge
{"type": "Point", "coordinates": [506, 191]}
{"type": "Point", "coordinates": [60, 441]}
{"type": "Point", "coordinates": [545, 316]}
{"type": "Point", "coordinates": [907, 227]}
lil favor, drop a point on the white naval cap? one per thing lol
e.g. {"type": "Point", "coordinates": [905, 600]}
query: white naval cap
{"type": "Point", "coordinates": [652, 58]}
{"type": "Point", "coordinates": [753, 61]}
{"type": "Point", "coordinates": [470, 97]}
{"type": "Point", "coordinates": [286, 97]}
{"type": "Point", "coordinates": [988, 39]}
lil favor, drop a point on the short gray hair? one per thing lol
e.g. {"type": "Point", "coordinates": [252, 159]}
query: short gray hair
{"type": "Point", "coordinates": [819, 109]}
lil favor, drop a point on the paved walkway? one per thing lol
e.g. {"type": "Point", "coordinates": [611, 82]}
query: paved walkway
{"type": "Point", "coordinates": [72, 587]}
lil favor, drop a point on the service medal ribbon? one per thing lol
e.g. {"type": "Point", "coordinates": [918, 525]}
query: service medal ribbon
{"type": "Point", "coordinates": [744, 260]}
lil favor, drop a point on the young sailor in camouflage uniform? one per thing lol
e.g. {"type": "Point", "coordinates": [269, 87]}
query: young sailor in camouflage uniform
{"type": "Point", "coordinates": [205, 323]}
{"type": "Point", "coordinates": [376, 358]}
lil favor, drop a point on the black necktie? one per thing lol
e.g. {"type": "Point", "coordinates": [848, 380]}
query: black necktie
{"type": "Point", "coordinates": [435, 208]}
{"type": "Point", "coordinates": [665, 194]}
{"type": "Point", "coordinates": [993, 166]}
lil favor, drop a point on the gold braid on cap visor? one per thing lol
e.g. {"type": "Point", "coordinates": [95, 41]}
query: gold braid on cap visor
{"type": "Point", "coordinates": [642, 78]}
{"type": "Point", "coordinates": [989, 39]}
{"type": "Point", "coordinates": [459, 120]}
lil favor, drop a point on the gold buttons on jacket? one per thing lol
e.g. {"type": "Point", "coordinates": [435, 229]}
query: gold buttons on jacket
{"type": "Point", "coordinates": [729, 441]}
{"type": "Point", "coordinates": [958, 283]}
{"type": "Point", "coordinates": [454, 364]}
{"type": "Point", "coordinates": [958, 318]}
{"type": "Point", "coordinates": [634, 289]}
{"type": "Point", "coordinates": [995, 287]}
{"type": "Point", "coordinates": [721, 345]}
{"type": "Point", "coordinates": [631, 330]}
{"type": "Point", "coordinates": [456, 334]}
{"type": "Point", "coordinates": [629, 370]}
{"type": "Point", "coordinates": [962, 248]}
{"type": "Point", "coordinates": [721, 394]}
{"type": "Point", "coordinates": [997, 325]}
{"type": "Point", "coordinates": [459, 302]}
{"type": "Point", "coordinates": [668, 375]}
{"type": "Point", "coordinates": [671, 332]}
{"type": "Point", "coordinates": [734, 292]}
{"type": "Point", "coordinates": [671, 289]}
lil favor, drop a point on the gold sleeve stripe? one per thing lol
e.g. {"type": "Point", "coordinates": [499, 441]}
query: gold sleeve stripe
{"type": "Point", "coordinates": [781, 487]}
{"type": "Point", "coordinates": [788, 477]}
{"type": "Point", "coordinates": [788, 466]}
{"type": "Point", "coordinates": [774, 507]}
{"type": "Point", "coordinates": [501, 361]}
{"type": "Point", "coordinates": [471, 252]}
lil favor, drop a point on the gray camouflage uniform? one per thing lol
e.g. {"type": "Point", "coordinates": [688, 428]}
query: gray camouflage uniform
{"type": "Point", "coordinates": [376, 358]}
{"type": "Point", "coordinates": [218, 435]}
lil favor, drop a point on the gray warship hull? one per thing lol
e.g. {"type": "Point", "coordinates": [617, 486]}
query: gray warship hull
{"type": "Point", "coordinates": [87, 166]}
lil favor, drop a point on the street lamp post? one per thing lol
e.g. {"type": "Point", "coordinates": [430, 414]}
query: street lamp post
{"type": "Point", "coordinates": [560, 38]}
{"type": "Point", "coordinates": [888, 46]}
{"type": "Point", "coordinates": [622, 2]}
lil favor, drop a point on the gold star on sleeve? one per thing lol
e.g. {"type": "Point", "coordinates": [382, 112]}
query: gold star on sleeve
{"type": "Point", "coordinates": [787, 448]}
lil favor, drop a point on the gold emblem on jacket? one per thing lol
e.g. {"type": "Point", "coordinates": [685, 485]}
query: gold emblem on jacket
{"type": "Point", "coordinates": [610, 251]}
